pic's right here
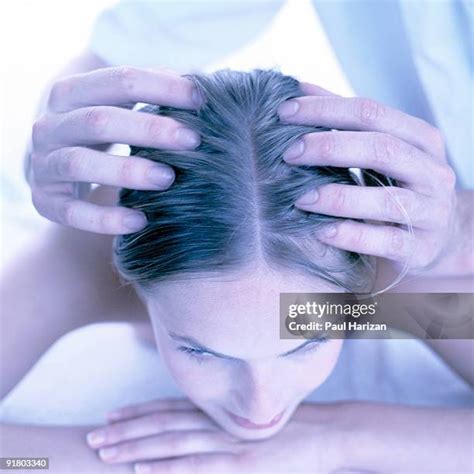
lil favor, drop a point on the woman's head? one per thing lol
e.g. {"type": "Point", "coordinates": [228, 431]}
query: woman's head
{"type": "Point", "coordinates": [221, 244]}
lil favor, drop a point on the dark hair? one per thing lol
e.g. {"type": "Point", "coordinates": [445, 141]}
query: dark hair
{"type": "Point", "coordinates": [232, 201]}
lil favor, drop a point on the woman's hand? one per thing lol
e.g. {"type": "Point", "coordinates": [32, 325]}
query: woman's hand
{"type": "Point", "coordinates": [85, 113]}
{"type": "Point", "coordinates": [165, 436]}
{"type": "Point", "coordinates": [392, 143]}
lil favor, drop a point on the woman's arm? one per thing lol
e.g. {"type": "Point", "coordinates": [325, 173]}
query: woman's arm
{"type": "Point", "coordinates": [457, 353]}
{"type": "Point", "coordinates": [343, 436]}
{"type": "Point", "coordinates": [389, 438]}
{"type": "Point", "coordinates": [65, 447]}
{"type": "Point", "coordinates": [63, 281]}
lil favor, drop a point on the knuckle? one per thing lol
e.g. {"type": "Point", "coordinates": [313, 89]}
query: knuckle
{"type": "Point", "coordinates": [385, 148]}
{"type": "Point", "coordinates": [447, 176]}
{"type": "Point", "coordinates": [95, 119]}
{"type": "Point", "coordinates": [444, 213]}
{"type": "Point", "coordinates": [126, 170]}
{"type": "Point", "coordinates": [154, 128]}
{"type": "Point", "coordinates": [65, 163]}
{"type": "Point", "coordinates": [325, 144]}
{"type": "Point", "coordinates": [36, 160]}
{"type": "Point", "coordinates": [396, 242]}
{"type": "Point", "coordinates": [126, 78]}
{"type": "Point", "coordinates": [357, 239]}
{"type": "Point", "coordinates": [397, 205]}
{"type": "Point", "coordinates": [37, 201]}
{"type": "Point", "coordinates": [338, 199]}
{"type": "Point", "coordinates": [369, 111]}
{"type": "Point", "coordinates": [425, 258]}
{"type": "Point", "coordinates": [59, 91]}
{"type": "Point", "coordinates": [172, 87]}
{"type": "Point", "coordinates": [39, 130]}
{"type": "Point", "coordinates": [66, 212]}
{"type": "Point", "coordinates": [436, 139]}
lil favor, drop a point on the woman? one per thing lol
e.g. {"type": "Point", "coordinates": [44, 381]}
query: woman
{"type": "Point", "coordinates": [220, 245]}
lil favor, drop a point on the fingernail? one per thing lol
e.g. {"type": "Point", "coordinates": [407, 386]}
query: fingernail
{"type": "Point", "coordinates": [134, 221]}
{"type": "Point", "coordinates": [294, 151]}
{"type": "Point", "coordinates": [96, 438]}
{"type": "Point", "coordinates": [108, 453]}
{"type": "Point", "coordinates": [197, 97]}
{"type": "Point", "coordinates": [329, 231]}
{"type": "Point", "coordinates": [308, 198]}
{"type": "Point", "coordinates": [160, 176]}
{"type": "Point", "coordinates": [288, 108]}
{"type": "Point", "coordinates": [187, 137]}
{"type": "Point", "coordinates": [142, 469]}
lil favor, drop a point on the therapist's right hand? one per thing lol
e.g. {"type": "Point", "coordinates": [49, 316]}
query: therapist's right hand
{"type": "Point", "coordinates": [85, 114]}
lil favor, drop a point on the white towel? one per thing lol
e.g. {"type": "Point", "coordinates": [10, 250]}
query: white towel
{"type": "Point", "coordinates": [103, 366]}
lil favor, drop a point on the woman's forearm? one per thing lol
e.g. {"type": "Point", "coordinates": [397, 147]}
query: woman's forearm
{"type": "Point", "coordinates": [409, 439]}
{"type": "Point", "coordinates": [65, 447]}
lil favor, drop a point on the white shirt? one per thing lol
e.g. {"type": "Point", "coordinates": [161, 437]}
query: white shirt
{"type": "Point", "coordinates": [416, 56]}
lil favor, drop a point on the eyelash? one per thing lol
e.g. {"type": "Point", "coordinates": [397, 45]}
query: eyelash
{"type": "Point", "coordinates": [203, 356]}
{"type": "Point", "coordinates": [313, 346]}
{"type": "Point", "coordinates": [197, 354]}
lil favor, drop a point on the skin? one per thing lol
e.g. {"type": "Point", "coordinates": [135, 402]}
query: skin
{"type": "Point", "coordinates": [238, 364]}
{"type": "Point", "coordinates": [85, 112]}
{"type": "Point", "coordinates": [61, 158]}
{"type": "Point", "coordinates": [237, 318]}
{"type": "Point", "coordinates": [395, 144]}
{"type": "Point", "coordinates": [68, 275]}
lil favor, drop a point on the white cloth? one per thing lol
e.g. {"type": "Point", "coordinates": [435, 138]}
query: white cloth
{"type": "Point", "coordinates": [103, 366]}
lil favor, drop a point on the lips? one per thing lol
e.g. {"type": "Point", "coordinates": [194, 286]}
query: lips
{"type": "Point", "coordinates": [245, 423]}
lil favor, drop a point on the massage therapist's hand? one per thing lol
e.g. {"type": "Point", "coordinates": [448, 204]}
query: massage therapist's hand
{"type": "Point", "coordinates": [173, 435]}
{"type": "Point", "coordinates": [86, 112]}
{"type": "Point", "coordinates": [374, 136]}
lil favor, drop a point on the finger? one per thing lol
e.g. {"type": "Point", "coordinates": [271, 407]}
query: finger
{"type": "Point", "coordinates": [147, 425]}
{"type": "Point", "coordinates": [165, 445]}
{"type": "Point", "coordinates": [390, 204]}
{"type": "Point", "coordinates": [121, 85]}
{"type": "Point", "coordinates": [92, 166]}
{"type": "Point", "coordinates": [312, 89]}
{"type": "Point", "coordinates": [356, 113]}
{"type": "Point", "coordinates": [103, 124]}
{"type": "Point", "coordinates": [164, 404]}
{"type": "Point", "coordinates": [64, 209]}
{"type": "Point", "coordinates": [373, 150]}
{"type": "Point", "coordinates": [380, 241]}
{"type": "Point", "coordinates": [210, 463]}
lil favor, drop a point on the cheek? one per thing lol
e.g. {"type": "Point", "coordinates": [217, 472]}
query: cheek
{"type": "Point", "coordinates": [312, 372]}
{"type": "Point", "coordinates": [199, 381]}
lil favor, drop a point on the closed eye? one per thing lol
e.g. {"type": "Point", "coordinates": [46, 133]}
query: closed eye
{"type": "Point", "coordinates": [198, 354]}
{"type": "Point", "coordinates": [202, 355]}
{"type": "Point", "coordinates": [312, 346]}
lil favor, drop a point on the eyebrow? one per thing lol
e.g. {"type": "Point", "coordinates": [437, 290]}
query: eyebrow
{"type": "Point", "coordinates": [191, 341]}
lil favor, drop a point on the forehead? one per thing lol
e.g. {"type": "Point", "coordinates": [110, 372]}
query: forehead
{"type": "Point", "coordinates": [237, 314]}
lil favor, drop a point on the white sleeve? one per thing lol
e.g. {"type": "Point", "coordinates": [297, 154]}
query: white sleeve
{"type": "Point", "coordinates": [180, 35]}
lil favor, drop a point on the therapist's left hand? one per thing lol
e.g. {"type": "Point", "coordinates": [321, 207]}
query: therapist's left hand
{"type": "Point", "coordinates": [374, 136]}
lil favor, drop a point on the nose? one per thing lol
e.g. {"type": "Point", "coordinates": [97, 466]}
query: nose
{"type": "Point", "coordinates": [260, 393]}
